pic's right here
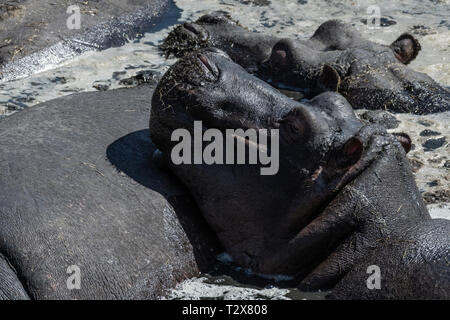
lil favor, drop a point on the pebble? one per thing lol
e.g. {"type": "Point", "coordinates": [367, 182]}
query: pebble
{"type": "Point", "coordinates": [433, 144]}
{"type": "Point", "coordinates": [428, 132]}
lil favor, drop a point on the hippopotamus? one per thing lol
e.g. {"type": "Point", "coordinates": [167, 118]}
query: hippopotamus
{"type": "Point", "coordinates": [336, 58]}
{"type": "Point", "coordinates": [82, 199]}
{"type": "Point", "coordinates": [343, 201]}
{"type": "Point", "coordinates": [27, 50]}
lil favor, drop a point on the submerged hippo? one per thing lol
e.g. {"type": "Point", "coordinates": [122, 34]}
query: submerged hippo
{"type": "Point", "coordinates": [335, 58]}
{"type": "Point", "coordinates": [343, 200]}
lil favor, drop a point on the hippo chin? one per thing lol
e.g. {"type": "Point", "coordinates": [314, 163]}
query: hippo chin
{"type": "Point", "coordinates": [335, 58]}
{"type": "Point", "coordinates": [344, 198]}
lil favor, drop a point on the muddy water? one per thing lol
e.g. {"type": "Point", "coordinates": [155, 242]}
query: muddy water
{"type": "Point", "coordinates": [428, 20]}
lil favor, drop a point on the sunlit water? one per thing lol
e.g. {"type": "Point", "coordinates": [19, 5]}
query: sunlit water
{"type": "Point", "coordinates": [428, 20]}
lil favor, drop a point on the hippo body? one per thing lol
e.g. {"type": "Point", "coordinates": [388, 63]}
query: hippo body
{"type": "Point", "coordinates": [335, 58]}
{"type": "Point", "coordinates": [79, 188]}
{"type": "Point", "coordinates": [29, 50]}
{"type": "Point", "coordinates": [344, 197]}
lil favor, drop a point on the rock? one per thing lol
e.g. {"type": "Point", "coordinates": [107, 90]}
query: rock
{"type": "Point", "coordinates": [447, 164]}
{"type": "Point", "coordinates": [416, 164]}
{"type": "Point", "coordinates": [259, 3]}
{"type": "Point", "coordinates": [145, 76]}
{"type": "Point", "coordinates": [433, 183]}
{"type": "Point", "coordinates": [101, 86]}
{"type": "Point", "coordinates": [438, 196]}
{"type": "Point", "coordinates": [59, 80]}
{"type": "Point", "coordinates": [79, 188]}
{"type": "Point", "coordinates": [433, 144]}
{"type": "Point", "coordinates": [384, 22]}
{"type": "Point", "coordinates": [422, 30]}
{"type": "Point", "coordinates": [425, 123]}
{"type": "Point", "coordinates": [428, 132]}
{"type": "Point", "coordinates": [381, 118]}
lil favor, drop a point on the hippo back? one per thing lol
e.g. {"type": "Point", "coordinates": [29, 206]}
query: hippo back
{"type": "Point", "coordinates": [79, 192]}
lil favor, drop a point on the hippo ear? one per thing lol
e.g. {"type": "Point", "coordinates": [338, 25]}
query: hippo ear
{"type": "Point", "coordinates": [329, 79]}
{"type": "Point", "coordinates": [350, 153]}
{"type": "Point", "coordinates": [406, 48]}
{"type": "Point", "coordinates": [405, 140]}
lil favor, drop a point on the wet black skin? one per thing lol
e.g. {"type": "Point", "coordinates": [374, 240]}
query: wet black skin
{"type": "Point", "coordinates": [343, 199]}
{"type": "Point", "coordinates": [335, 58]}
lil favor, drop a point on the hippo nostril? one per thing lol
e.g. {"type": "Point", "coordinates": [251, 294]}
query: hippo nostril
{"type": "Point", "coordinates": [207, 64]}
{"type": "Point", "coordinates": [279, 57]}
{"type": "Point", "coordinates": [281, 54]}
{"type": "Point", "coordinates": [204, 61]}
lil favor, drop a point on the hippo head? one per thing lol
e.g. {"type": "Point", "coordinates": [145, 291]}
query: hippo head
{"type": "Point", "coordinates": [338, 35]}
{"type": "Point", "coordinates": [218, 30]}
{"type": "Point", "coordinates": [367, 76]}
{"type": "Point", "coordinates": [271, 223]}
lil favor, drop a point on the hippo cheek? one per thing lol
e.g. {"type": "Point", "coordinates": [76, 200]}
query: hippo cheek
{"type": "Point", "coordinates": [324, 181]}
{"type": "Point", "coordinates": [316, 212]}
{"type": "Point", "coordinates": [322, 215]}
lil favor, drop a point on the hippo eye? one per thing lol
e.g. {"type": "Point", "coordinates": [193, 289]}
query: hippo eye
{"type": "Point", "coordinates": [292, 127]}
{"type": "Point", "coordinates": [296, 128]}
